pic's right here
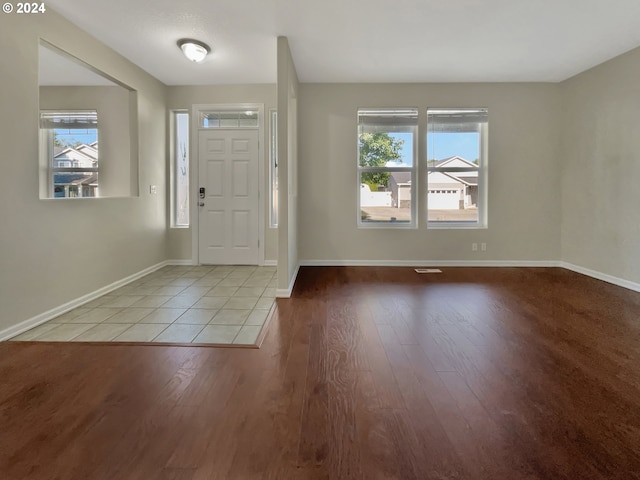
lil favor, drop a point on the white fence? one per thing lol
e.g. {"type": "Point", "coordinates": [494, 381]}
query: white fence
{"type": "Point", "coordinates": [374, 199]}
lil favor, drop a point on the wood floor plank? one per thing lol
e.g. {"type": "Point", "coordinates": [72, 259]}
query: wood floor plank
{"type": "Point", "coordinates": [426, 426]}
{"type": "Point", "coordinates": [344, 341]}
{"type": "Point", "coordinates": [389, 394]}
{"type": "Point", "coordinates": [364, 373]}
{"type": "Point", "coordinates": [314, 430]}
{"type": "Point", "coordinates": [285, 399]}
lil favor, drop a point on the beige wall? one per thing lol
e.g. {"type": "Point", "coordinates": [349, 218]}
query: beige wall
{"type": "Point", "coordinates": [600, 160]}
{"type": "Point", "coordinates": [524, 183]}
{"type": "Point", "coordinates": [562, 166]}
{"type": "Point", "coordinates": [183, 98]}
{"type": "Point", "coordinates": [288, 166]}
{"type": "Point", "coordinates": [112, 105]}
{"type": "Point", "coordinates": [53, 251]}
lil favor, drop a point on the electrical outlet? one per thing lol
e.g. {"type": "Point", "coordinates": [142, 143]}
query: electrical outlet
{"type": "Point", "coordinates": [483, 247]}
{"type": "Point", "coordinates": [153, 189]}
{"type": "Point", "coordinates": [474, 247]}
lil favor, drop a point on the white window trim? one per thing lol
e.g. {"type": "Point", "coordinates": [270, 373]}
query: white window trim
{"type": "Point", "coordinates": [49, 136]}
{"type": "Point", "coordinates": [483, 189]}
{"type": "Point", "coordinates": [413, 224]}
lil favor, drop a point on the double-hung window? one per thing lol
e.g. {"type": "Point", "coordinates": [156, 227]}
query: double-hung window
{"type": "Point", "coordinates": [456, 167]}
{"type": "Point", "coordinates": [71, 139]}
{"type": "Point", "coordinates": [387, 141]}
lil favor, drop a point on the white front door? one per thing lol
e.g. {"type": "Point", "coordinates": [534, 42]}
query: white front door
{"type": "Point", "coordinates": [228, 208]}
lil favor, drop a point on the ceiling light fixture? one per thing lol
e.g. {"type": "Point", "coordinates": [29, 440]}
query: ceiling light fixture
{"type": "Point", "coordinates": [194, 50]}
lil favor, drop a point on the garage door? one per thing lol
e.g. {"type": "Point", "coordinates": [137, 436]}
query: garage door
{"type": "Point", "coordinates": [444, 199]}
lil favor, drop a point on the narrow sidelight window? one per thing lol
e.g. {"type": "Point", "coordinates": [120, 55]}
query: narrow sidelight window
{"type": "Point", "coordinates": [273, 169]}
{"type": "Point", "coordinates": [181, 169]}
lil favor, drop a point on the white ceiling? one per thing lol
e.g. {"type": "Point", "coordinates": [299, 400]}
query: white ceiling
{"type": "Point", "coordinates": [364, 40]}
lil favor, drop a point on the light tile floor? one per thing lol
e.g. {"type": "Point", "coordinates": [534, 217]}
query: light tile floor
{"type": "Point", "coordinates": [176, 304]}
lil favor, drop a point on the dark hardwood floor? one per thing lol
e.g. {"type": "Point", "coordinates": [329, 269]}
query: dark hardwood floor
{"type": "Point", "coordinates": [367, 373]}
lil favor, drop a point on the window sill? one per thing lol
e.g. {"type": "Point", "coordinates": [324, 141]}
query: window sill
{"type": "Point", "coordinates": [63, 199]}
{"type": "Point", "coordinates": [387, 226]}
{"type": "Point", "coordinates": [455, 226]}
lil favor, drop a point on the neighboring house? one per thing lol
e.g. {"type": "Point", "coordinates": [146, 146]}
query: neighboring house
{"type": "Point", "coordinates": [76, 183]}
{"type": "Point", "coordinates": [91, 150]}
{"type": "Point", "coordinates": [83, 156]}
{"type": "Point", "coordinates": [447, 190]}
{"type": "Point", "coordinates": [453, 190]}
{"type": "Point", "coordinates": [400, 185]}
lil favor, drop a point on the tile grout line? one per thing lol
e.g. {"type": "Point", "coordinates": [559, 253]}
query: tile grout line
{"type": "Point", "coordinates": [167, 278]}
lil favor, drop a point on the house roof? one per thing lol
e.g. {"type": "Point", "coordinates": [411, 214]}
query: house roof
{"type": "Point", "coordinates": [469, 180]}
{"type": "Point", "coordinates": [449, 160]}
{"type": "Point", "coordinates": [466, 178]}
{"type": "Point", "coordinates": [401, 177]}
{"type": "Point", "coordinates": [87, 152]}
{"type": "Point", "coordinates": [75, 179]}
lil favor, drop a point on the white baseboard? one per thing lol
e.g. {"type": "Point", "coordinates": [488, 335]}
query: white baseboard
{"type": "Point", "coordinates": [188, 262]}
{"type": "Point", "coordinates": [286, 293]}
{"type": "Point", "coordinates": [54, 312]}
{"type": "Point", "coordinates": [430, 263]}
{"type": "Point", "coordinates": [620, 282]}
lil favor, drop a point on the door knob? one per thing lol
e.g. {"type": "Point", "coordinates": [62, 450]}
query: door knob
{"type": "Point", "coordinates": [201, 204]}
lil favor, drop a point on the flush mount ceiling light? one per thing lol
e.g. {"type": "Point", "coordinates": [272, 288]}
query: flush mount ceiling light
{"type": "Point", "coordinates": [194, 50]}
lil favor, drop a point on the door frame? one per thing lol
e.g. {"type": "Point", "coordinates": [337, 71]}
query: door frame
{"type": "Point", "coordinates": [196, 111]}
